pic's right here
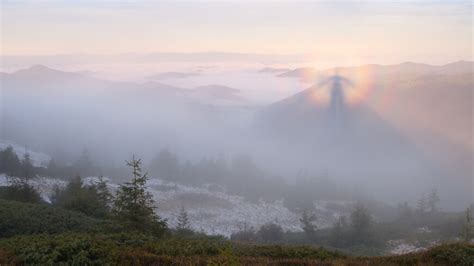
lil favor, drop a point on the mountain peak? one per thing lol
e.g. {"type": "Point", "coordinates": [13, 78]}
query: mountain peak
{"type": "Point", "coordinates": [39, 68]}
{"type": "Point", "coordinates": [43, 72]}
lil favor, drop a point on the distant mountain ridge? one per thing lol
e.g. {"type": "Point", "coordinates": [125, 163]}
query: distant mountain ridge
{"type": "Point", "coordinates": [459, 67]}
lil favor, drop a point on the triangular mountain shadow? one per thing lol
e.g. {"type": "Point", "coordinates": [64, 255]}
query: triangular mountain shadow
{"type": "Point", "coordinates": [346, 139]}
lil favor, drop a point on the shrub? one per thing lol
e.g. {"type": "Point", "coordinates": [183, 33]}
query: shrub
{"type": "Point", "coordinates": [24, 218]}
{"type": "Point", "coordinates": [20, 190]}
{"type": "Point", "coordinates": [92, 200]}
{"type": "Point", "coordinates": [270, 232]}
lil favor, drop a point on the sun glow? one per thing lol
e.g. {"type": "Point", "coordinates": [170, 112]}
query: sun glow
{"type": "Point", "coordinates": [357, 85]}
{"type": "Point", "coordinates": [363, 81]}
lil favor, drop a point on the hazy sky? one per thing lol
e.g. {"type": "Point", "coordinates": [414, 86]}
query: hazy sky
{"type": "Point", "coordinates": [372, 31]}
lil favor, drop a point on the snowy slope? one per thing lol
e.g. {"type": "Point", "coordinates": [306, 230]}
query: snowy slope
{"type": "Point", "coordinates": [211, 211]}
{"type": "Point", "coordinates": [216, 212]}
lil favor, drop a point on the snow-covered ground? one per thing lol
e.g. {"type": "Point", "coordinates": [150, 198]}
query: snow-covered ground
{"type": "Point", "coordinates": [211, 210]}
{"type": "Point", "coordinates": [399, 247]}
{"type": "Point", "coordinates": [214, 211]}
{"type": "Point", "coordinates": [403, 246]}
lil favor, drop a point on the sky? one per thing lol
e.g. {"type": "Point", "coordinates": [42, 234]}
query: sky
{"type": "Point", "coordinates": [367, 31]}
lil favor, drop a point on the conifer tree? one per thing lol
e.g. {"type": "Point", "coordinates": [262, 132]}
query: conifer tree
{"type": "Point", "coordinates": [307, 220]}
{"type": "Point", "coordinates": [432, 201]}
{"type": "Point", "coordinates": [27, 169]}
{"type": "Point", "coordinates": [103, 194]}
{"type": "Point", "coordinates": [90, 199]}
{"type": "Point", "coordinates": [421, 205]}
{"type": "Point", "coordinates": [360, 224]}
{"type": "Point", "coordinates": [183, 225]}
{"type": "Point", "coordinates": [134, 206]}
{"type": "Point", "coordinates": [338, 232]}
{"type": "Point", "coordinates": [52, 168]}
{"type": "Point", "coordinates": [468, 226]}
{"type": "Point", "coordinates": [9, 162]}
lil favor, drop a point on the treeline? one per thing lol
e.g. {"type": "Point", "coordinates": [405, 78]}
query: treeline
{"type": "Point", "coordinates": [130, 208]}
{"type": "Point", "coordinates": [12, 165]}
{"type": "Point", "coordinates": [240, 175]}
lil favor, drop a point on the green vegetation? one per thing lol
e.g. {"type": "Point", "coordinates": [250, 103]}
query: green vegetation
{"type": "Point", "coordinates": [92, 200]}
{"type": "Point", "coordinates": [18, 218]}
{"type": "Point", "coordinates": [80, 227]}
{"type": "Point", "coordinates": [20, 189]}
{"type": "Point", "coordinates": [99, 249]}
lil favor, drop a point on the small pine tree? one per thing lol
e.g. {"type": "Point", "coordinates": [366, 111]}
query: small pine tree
{"type": "Point", "coordinates": [10, 164]}
{"type": "Point", "coordinates": [421, 205]}
{"type": "Point", "coordinates": [103, 194]}
{"type": "Point", "coordinates": [183, 226]}
{"type": "Point", "coordinates": [432, 201]}
{"type": "Point", "coordinates": [20, 189]}
{"type": "Point", "coordinates": [92, 199]}
{"type": "Point", "coordinates": [134, 206]}
{"type": "Point", "coordinates": [84, 164]}
{"type": "Point", "coordinates": [468, 227]}
{"type": "Point", "coordinates": [338, 232]}
{"type": "Point", "coordinates": [52, 168]}
{"type": "Point", "coordinates": [245, 233]}
{"type": "Point", "coordinates": [165, 166]}
{"type": "Point", "coordinates": [271, 232]}
{"type": "Point", "coordinates": [360, 224]}
{"type": "Point", "coordinates": [307, 220]}
{"type": "Point", "coordinates": [27, 168]}
{"type": "Point", "coordinates": [404, 211]}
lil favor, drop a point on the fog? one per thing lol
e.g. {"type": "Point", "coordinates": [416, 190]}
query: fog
{"type": "Point", "coordinates": [388, 133]}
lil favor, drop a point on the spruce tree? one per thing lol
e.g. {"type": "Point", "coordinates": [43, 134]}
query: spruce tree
{"type": "Point", "coordinates": [27, 168]}
{"type": "Point", "coordinates": [421, 205]}
{"type": "Point", "coordinates": [307, 221]}
{"type": "Point", "coordinates": [90, 199]}
{"type": "Point", "coordinates": [9, 162]}
{"type": "Point", "coordinates": [103, 194]}
{"type": "Point", "coordinates": [338, 232]}
{"type": "Point", "coordinates": [183, 226]}
{"type": "Point", "coordinates": [52, 168]}
{"type": "Point", "coordinates": [360, 224]}
{"type": "Point", "coordinates": [134, 206]}
{"type": "Point", "coordinates": [20, 189]}
{"type": "Point", "coordinates": [432, 201]}
{"type": "Point", "coordinates": [468, 226]}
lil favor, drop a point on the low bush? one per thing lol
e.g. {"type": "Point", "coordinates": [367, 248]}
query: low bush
{"type": "Point", "coordinates": [18, 218]}
{"type": "Point", "coordinates": [98, 249]}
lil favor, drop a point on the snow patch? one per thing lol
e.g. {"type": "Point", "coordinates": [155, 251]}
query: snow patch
{"type": "Point", "coordinates": [210, 209]}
